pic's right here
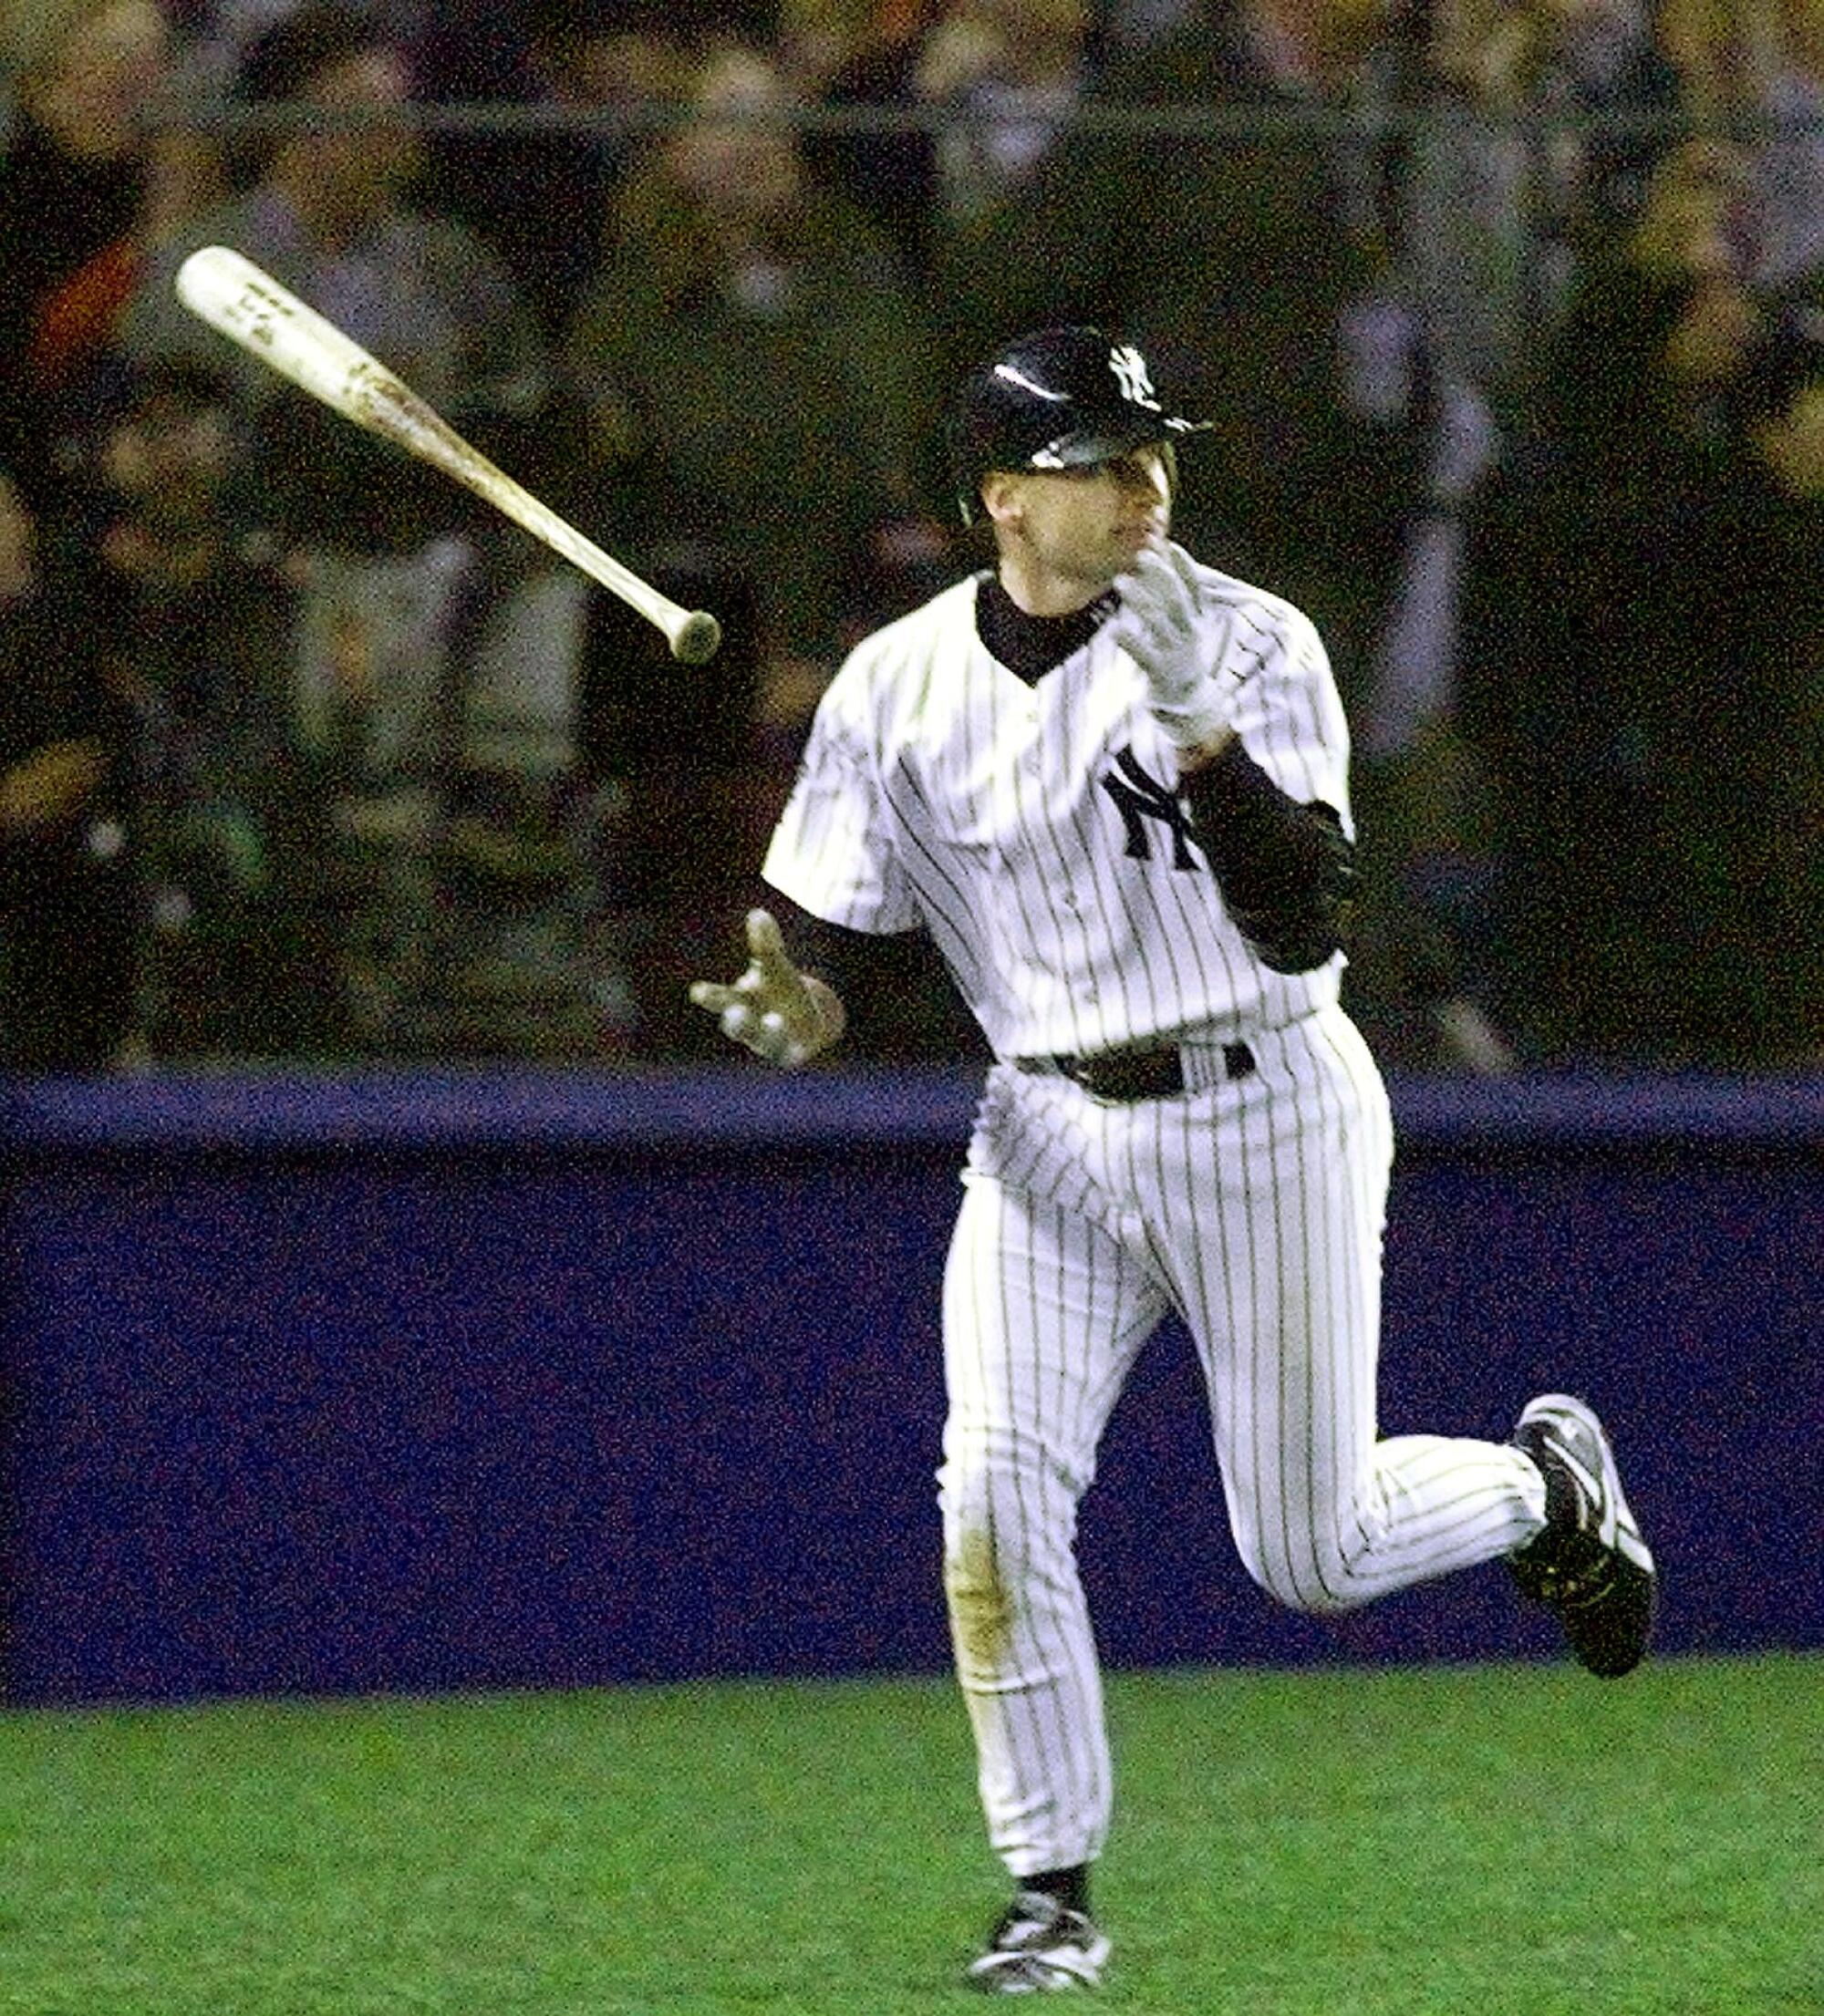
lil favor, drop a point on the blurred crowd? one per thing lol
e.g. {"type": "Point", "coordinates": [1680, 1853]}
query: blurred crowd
{"type": "Point", "coordinates": [1509, 314]}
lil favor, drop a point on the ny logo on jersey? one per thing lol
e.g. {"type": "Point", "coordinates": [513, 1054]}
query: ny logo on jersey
{"type": "Point", "coordinates": [1130, 371]}
{"type": "Point", "coordinates": [1138, 798]}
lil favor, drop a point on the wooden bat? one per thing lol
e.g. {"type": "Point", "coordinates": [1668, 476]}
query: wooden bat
{"type": "Point", "coordinates": [250, 307]}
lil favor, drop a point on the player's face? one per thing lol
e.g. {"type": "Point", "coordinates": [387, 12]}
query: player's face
{"type": "Point", "coordinates": [1066, 534]}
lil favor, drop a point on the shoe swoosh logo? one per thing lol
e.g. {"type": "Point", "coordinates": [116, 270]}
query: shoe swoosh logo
{"type": "Point", "coordinates": [1594, 1488]}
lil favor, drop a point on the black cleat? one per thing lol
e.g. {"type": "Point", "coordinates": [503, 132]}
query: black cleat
{"type": "Point", "coordinates": [1589, 1566]}
{"type": "Point", "coordinates": [1039, 1947]}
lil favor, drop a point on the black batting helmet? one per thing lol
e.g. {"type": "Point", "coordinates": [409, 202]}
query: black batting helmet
{"type": "Point", "coordinates": [1059, 398]}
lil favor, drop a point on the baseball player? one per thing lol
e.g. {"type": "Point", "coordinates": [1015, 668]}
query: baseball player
{"type": "Point", "coordinates": [1111, 782]}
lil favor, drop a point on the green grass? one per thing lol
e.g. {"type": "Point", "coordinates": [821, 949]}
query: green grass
{"type": "Point", "coordinates": [1496, 1841]}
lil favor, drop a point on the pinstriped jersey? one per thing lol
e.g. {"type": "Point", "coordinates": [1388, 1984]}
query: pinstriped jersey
{"type": "Point", "coordinates": [1037, 831]}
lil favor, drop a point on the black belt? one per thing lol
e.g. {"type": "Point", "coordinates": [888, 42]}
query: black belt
{"type": "Point", "coordinates": [1123, 1076]}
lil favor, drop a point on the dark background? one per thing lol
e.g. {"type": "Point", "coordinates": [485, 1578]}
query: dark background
{"type": "Point", "coordinates": [479, 1381]}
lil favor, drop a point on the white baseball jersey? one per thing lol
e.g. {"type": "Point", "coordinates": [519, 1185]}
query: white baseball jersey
{"type": "Point", "coordinates": [1037, 831]}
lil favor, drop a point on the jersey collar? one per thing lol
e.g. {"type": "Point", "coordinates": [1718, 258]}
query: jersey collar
{"type": "Point", "coordinates": [1030, 646]}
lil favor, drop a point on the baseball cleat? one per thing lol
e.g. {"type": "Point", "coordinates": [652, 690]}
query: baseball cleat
{"type": "Point", "coordinates": [1039, 1947]}
{"type": "Point", "coordinates": [1590, 1567]}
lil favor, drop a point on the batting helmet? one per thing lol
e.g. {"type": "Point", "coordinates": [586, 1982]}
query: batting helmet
{"type": "Point", "coordinates": [1059, 398]}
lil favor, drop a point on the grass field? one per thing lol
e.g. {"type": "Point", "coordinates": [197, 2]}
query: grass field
{"type": "Point", "coordinates": [1497, 1841]}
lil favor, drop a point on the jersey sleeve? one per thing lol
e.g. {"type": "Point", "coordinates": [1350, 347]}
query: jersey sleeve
{"type": "Point", "coordinates": [833, 851]}
{"type": "Point", "coordinates": [1287, 711]}
{"type": "Point", "coordinates": [1272, 810]}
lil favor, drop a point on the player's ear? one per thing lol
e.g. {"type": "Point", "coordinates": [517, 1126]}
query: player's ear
{"type": "Point", "coordinates": [1003, 498]}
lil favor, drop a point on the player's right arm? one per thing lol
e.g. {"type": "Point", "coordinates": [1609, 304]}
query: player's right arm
{"type": "Point", "coordinates": [834, 863]}
{"type": "Point", "coordinates": [775, 1009]}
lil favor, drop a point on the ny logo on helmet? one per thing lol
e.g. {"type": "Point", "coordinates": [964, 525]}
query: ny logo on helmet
{"type": "Point", "coordinates": [1130, 370]}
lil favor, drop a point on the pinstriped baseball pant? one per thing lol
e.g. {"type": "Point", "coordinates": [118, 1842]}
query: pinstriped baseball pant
{"type": "Point", "coordinates": [1255, 1210]}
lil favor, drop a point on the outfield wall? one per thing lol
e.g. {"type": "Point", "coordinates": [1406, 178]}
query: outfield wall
{"type": "Point", "coordinates": [428, 1382]}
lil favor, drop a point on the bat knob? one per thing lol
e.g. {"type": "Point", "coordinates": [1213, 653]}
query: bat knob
{"type": "Point", "coordinates": [696, 637]}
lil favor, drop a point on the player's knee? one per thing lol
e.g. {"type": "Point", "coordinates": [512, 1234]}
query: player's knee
{"type": "Point", "coordinates": [1003, 1521]}
{"type": "Point", "coordinates": [965, 1494]}
{"type": "Point", "coordinates": [989, 1471]}
{"type": "Point", "coordinates": [1316, 1599]}
{"type": "Point", "coordinates": [985, 1537]}
{"type": "Point", "coordinates": [1316, 1582]}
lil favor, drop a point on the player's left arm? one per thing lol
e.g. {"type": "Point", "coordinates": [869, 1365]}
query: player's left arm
{"type": "Point", "coordinates": [1286, 868]}
{"type": "Point", "coordinates": [1283, 857]}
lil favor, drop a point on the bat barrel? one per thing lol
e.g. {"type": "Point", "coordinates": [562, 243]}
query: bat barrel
{"type": "Point", "coordinates": [234, 297]}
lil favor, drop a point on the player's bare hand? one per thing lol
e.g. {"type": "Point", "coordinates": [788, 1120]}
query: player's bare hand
{"type": "Point", "coordinates": [1158, 626]}
{"type": "Point", "coordinates": [773, 1009]}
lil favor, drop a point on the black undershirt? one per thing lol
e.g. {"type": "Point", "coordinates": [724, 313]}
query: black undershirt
{"type": "Point", "coordinates": [1030, 646]}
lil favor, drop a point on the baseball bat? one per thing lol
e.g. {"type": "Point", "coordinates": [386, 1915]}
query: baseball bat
{"type": "Point", "coordinates": [250, 307]}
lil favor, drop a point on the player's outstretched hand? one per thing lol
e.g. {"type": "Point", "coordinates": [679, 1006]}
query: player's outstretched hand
{"type": "Point", "coordinates": [1157, 626]}
{"type": "Point", "coordinates": [773, 1009]}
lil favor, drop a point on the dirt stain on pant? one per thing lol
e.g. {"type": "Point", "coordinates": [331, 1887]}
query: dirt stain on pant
{"type": "Point", "coordinates": [982, 1610]}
